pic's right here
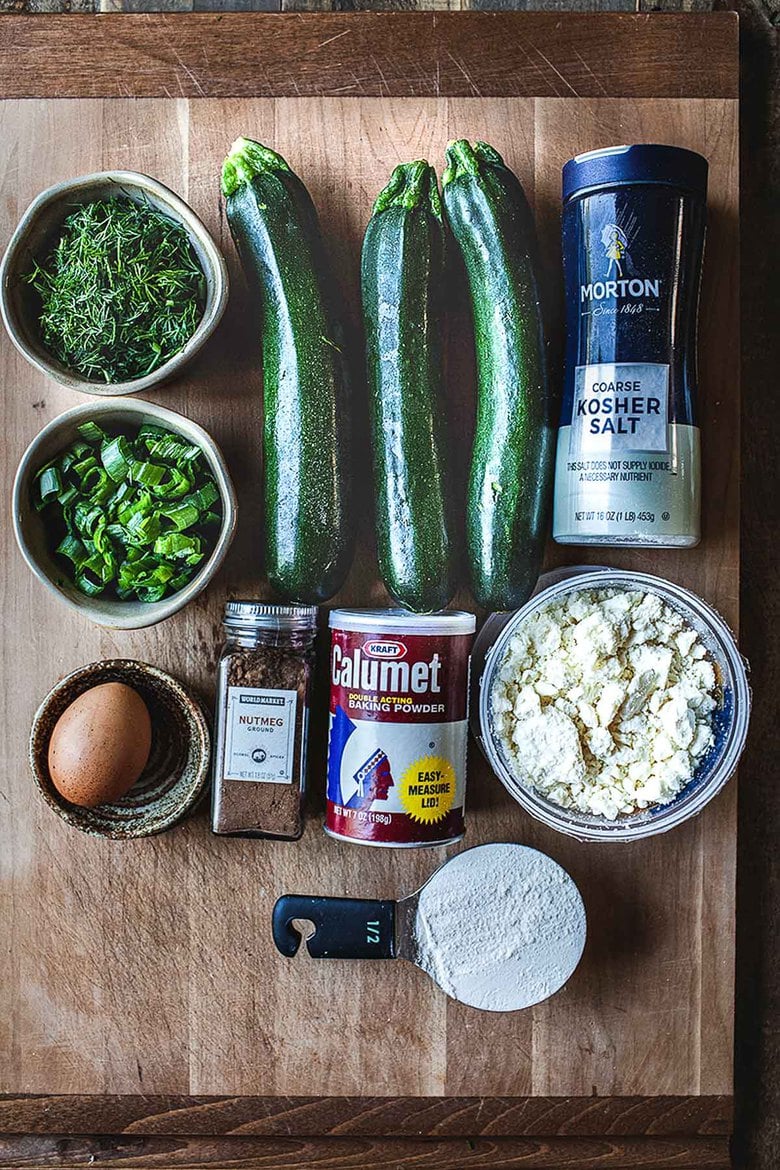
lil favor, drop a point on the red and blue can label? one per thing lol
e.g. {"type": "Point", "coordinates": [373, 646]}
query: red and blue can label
{"type": "Point", "coordinates": [398, 729]}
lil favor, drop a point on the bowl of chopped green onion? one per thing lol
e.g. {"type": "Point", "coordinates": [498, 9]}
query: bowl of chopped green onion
{"type": "Point", "coordinates": [111, 283]}
{"type": "Point", "coordinates": [124, 510]}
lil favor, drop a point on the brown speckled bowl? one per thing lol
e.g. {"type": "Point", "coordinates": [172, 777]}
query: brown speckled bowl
{"type": "Point", "coordinates": [177, 773]}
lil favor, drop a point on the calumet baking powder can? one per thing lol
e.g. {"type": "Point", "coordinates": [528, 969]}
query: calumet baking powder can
{"type": "Point", "coordinates": [399, 692]}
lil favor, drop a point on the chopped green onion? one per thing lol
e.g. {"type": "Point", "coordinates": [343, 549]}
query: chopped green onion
{"type": "Point", "coordinates": [143, 529]}
{"type": "Point", "coordinates": [115, 457]}
{"type": "Point", "coordinates": [177, 484]}
{"type": "Point", "coordinates": [182, 515]}
{"type": "Point", "coordinates": [77, 452]}
{"type": "Point", "coordinates": [91, 432]}
{"type": "Point", "coordinates": [204, 497]}
{"type": "Point", "coordinates": [176, 544]}
{"type": "Point", "coordinates": [117, 496]}
{"type": "Point", "coordinates": [87, 584]}
{"type": "Point", "coordinates": [130, 526]}
{"type": "Point", "coordinates": [86, 516]}
{"type": "Point", "coordinates": [81, 468]}
{"type": "Point", "coordinates": [151, 431]}
{"type": "Point", "coordinates": [96, 482]}
{"type": "Point", "coordinates": [68, 496]}
{"type": "Point", "coordinates": [171, 448]}
{"type": "Point", "coordinates": [72, 548]}
{"type": "Point", "coordinates": [146, 473]}
{"type": "Point", "coordinates": [49, 484]}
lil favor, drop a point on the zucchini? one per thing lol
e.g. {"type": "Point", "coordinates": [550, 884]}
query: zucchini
{"type": "Point", "coordinates": [402, 278]}
{"type": "Point", "coordinates": [510, 478]}
{"type": "Point", "coordinates": [308, 537]}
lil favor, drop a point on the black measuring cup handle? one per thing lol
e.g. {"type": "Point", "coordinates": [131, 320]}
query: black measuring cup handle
{"type": "Point", "coordinates": [344, 928]}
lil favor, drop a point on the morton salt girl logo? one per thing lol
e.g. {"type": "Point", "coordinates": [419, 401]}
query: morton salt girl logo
{"type": "Point", "coordinates": [615, 248]}
{"type": "Point", "coordinates": [617, 283]}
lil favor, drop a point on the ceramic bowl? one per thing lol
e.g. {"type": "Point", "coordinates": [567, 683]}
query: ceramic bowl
{"type": "Point", "coordinates": [177, 773]}
{"type": "Point", "coordinates": [32, 538]}
{"type": "Point", "coordinates": [37, 232]}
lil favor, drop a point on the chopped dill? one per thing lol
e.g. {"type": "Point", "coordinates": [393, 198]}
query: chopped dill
{"type": "Point", "coordinates": [121, 292]}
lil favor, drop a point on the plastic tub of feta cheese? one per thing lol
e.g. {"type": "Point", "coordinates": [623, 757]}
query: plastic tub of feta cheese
{"type": "Point", "coordinates": [497, 699]}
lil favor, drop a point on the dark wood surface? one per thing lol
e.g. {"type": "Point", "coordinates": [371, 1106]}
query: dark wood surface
{"type": "Point", "coordinates": [434, 1117]}
{"type": "Point", "coordinates": [601, 1153]}
{"type": "Point", "coordinates": [767, 8]}
{"type": "Point", "coordinates": [331, 54]}
{"type": "Point", "coordinates": [335, 1132]}
{"type": "Point", "coordinates": [757, 973]}
{"type": "Point", "coordinates": [757, 1056]}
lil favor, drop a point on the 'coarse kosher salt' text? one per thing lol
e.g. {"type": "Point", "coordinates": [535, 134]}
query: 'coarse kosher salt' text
{"type": "Point", "coordinates": [604, 702]}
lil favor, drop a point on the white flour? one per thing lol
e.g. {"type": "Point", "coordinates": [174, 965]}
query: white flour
{"type": "Point", "coordinates": [500, 927]}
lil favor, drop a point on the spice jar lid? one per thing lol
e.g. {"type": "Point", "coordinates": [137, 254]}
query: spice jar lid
{"type": "Point", "coordinates": [259, 615]}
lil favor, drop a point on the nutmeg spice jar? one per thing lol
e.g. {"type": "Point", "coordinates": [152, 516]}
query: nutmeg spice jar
{"type": "Point", "coordinates": [263, 691]}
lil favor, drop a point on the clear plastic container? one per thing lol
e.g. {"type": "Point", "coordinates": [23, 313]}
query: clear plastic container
{"type": "Point", "coordinates": [730, 720]}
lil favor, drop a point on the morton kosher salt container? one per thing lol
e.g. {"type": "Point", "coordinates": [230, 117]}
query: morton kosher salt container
{"type": "Point", "coordinates": [628, 456]}
{"type": "Point", "coordinates": [399, 686]}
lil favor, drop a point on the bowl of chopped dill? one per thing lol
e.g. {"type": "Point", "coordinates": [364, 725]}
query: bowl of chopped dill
{"type": "Point", "coordinates": [111, 283]}
{"type": "Point", "coordinates": [124, 510]}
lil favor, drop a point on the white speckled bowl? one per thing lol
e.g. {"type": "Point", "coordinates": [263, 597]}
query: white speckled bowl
{"type": "Point", "coordinates": [730, 720]}
{"type": "Point", "coordinates": [37, 231]}
{"type": "Point", "coordinates": [31, 534]}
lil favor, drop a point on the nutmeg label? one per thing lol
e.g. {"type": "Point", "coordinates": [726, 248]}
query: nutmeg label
{"type": "Point", "coordinates": [260, 735]}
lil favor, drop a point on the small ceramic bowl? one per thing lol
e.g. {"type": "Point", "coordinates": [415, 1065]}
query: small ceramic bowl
{"type": "Point", "coordinates": [37, 232]}
{"type": "Point", "coordinates": [177, 773]}
{"type": "Point", "coordinates": [32, 538]}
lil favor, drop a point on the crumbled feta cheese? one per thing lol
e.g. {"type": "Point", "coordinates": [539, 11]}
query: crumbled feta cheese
{"type": "Point", "coordinates": [549, 744]}
{"type": "Point", "coordinates": [610, 702]}
{"type": "Point", "coordinates": [604, 701]}
{"type": "Point", "coordinates": [526, 703]}
{"type": "Point", "coordinates": [587, 714]}
{"type": "Point", "coordinates": [684, 642]}
{"type": "Point", "coordinates": [600, 742]}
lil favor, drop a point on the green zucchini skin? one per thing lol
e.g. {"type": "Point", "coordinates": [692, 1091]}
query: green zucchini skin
{"type": "Point", "coordinates": [510, 480]}
{"type": "Point", "coordinates": [308, 531]}
{"type": "Point", "coordinates": [402, 272]}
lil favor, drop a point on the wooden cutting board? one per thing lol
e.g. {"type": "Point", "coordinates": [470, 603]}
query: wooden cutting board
{"type": "Point", "coordinates": [140, 976]}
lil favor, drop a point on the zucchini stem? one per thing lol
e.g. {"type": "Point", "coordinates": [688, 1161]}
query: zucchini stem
{"type": "Point", "coordinates": [246, 159]}
{"type": "Point", "coordinates": [411, 185]}
{"type": "Point", "coordinates": [465, 158]}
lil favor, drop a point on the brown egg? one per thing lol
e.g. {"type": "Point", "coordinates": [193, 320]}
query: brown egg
{"type": "Point", "coordinates": [100, 745]}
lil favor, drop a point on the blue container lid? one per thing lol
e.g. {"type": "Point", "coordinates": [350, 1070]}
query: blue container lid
{"type": "Point", "coordinates": [621, 165]}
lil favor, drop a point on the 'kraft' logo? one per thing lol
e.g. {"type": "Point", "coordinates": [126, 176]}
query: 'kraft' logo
{"type": "Point", "coordinates": [385, 649]}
